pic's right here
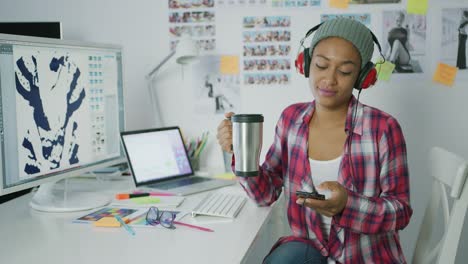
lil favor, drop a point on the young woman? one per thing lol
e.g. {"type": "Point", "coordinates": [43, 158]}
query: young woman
{"type": "Point", "coordinates": [335, 144]}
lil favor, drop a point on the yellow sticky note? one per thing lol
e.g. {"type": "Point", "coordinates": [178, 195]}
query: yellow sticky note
{"type": "Point", "coordinates": [146, 200]}
{"type": "Point", "coordinates": [445, 74]}
{"type": "Point", "coordinates": [226, 176]}
{"type": "Point", "coordinates": [108, 221]}
{"type": "Point", "coordinates": [384, 70]}
{"type": "Point", "coordinates": [343, 4]}
{"type": "Point", "coordinates": [229, 64]}
{"type": "Point", "coordinates": [418, 7]}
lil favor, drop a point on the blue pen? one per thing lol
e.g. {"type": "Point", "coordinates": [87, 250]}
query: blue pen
{"type": "Point", "coordinates": [127, 227]}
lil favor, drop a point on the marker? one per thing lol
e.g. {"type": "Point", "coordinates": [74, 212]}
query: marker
{"type": "Point", "coordinates": [156, 193]}
{"type": "Point", "coordinates": [123, 196]}
{"type": "Point", "coordinates": [127, 227]}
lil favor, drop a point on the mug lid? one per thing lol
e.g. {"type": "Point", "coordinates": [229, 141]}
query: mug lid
{"type": "Point", "coordinates": [247, 118]}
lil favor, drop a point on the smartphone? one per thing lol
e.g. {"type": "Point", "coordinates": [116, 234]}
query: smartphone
{"type": "Point", "coordinates": [312, 195]}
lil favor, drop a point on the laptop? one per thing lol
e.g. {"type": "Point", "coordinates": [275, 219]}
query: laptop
{"type": "Point", "coordinates": [158, 160]}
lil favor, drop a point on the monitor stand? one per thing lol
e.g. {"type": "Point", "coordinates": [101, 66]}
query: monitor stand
{"type": "Point", "coordinates": [48, 198]}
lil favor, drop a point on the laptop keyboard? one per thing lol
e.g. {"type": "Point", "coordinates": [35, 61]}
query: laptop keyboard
{"type": "Point", "coordinates": [179, 183]}
{"type": "Point", "coordinates": [220, 204]}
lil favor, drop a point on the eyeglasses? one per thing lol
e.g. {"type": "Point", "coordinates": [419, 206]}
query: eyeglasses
{"type": "Point", "coordinates": [164, 218]}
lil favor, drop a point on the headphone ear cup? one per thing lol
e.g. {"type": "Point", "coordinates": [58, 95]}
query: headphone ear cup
{"type": "Point", "coordinates": [367, 77]}
{"type": "Point", "coordinates": [299, 63]}
{"type": "Point", "coordinates": [302, 62]}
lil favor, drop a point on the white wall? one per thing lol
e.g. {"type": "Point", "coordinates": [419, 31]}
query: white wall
{"type": "Point", "coordinates": [430, 114]}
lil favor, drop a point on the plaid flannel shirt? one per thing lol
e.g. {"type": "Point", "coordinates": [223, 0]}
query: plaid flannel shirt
{"type": "Point", "coordinates": [378, 205]}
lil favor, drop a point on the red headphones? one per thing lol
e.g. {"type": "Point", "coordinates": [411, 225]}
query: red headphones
{"type": "Point", "coordinates": [367, 75]}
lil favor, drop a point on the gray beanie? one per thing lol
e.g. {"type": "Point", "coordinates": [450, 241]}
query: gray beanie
{"type": "Point", "coordinates": [350, 30]}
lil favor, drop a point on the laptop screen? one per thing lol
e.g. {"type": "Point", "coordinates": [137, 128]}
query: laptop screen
{"type": "Point", "coordinates": [155, 155]}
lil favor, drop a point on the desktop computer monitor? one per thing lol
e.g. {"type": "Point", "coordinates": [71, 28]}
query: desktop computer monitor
{"type": "Point", "coordinates": [50, 29]}
{"type": "Point", "coordinates": [61, 114]}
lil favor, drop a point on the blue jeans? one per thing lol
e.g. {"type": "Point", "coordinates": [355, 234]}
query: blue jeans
{"type": "Point", "coordinates": [295, 252]}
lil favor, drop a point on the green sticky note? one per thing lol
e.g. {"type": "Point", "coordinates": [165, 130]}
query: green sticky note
{"type": "Point", "coordinates": [418, 7]}
{"type": "Point", "coordinates": [385, 70]}
{"type": "Point", "coordinates": [146, 200]}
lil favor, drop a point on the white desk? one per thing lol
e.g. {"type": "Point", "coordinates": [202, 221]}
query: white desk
{"type": "Point", "coordinates": [29, 236]}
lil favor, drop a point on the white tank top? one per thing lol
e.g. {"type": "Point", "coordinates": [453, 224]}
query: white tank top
{"type": "Point", "coordinates": [325, 170]}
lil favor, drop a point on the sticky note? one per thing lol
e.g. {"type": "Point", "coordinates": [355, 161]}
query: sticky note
{"type": "Point", "coordinates": [384, 70]}
{"type": "Point", "coordinates": [146, 200]}
{"type": "Point", "coordinates": [418, 7]}
{"type": "Point", "coordinates": [229, 64]}
{"type": "Point", "coordinates": [108, 221]}
{"type": "Point", "coordinates": [343, 4]}
{"type": "Point", "coordinates": [445, 74]}
{"type": "Point", "coordinates": [226, 176]}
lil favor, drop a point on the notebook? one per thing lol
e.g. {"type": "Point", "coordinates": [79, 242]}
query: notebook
{"type": "Point", "coordinates": [158, 160]}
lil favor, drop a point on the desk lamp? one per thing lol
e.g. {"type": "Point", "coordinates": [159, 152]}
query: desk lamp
{"type": "Point", "coordinates": [185, 52]}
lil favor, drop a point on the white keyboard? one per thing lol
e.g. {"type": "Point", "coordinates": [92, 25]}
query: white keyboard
{"type": "Point", "coordinates": [220, 204]}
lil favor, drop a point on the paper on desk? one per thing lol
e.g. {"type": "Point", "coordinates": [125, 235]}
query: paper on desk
{"type": "Point", "coordinates": [106, 212]}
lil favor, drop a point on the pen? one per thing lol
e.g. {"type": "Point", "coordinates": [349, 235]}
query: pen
{"type": "Point", "coordinates": [193, 226]}
{"type": "Point", "coordinates": [156, 193]}
{"type": "Point", "coordinates": [136, 217]}
{"type": "Point", "coordinates": [127, 227]}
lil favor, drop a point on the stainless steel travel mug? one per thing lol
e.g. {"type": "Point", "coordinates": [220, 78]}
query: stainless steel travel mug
{"type": "Point", "coordinates": [247, 137]}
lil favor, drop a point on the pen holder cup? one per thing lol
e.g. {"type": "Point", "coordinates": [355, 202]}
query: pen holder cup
{"type": "Point", "coordinates": [195, 161]}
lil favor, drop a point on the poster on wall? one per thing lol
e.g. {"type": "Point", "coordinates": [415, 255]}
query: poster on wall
{"type": "Point", "coordinates": [266, 49]}
{"type": "Point", "coordinates": [364, 18]}
{"type": "Point", "coordinates": [454, 35]}
{"type": "Point", "coordinates": [295, 3]}
{"type": "Point", "coordinates": [241, 3]}
{"type": "Point", "coordinates": [193, 18]}
{"type": "Point", "coordinates": [374, 1]}
{"type": "Point", "coordinates": [404, 40]}
{"type": "Point", "coordinates": [215, 91]}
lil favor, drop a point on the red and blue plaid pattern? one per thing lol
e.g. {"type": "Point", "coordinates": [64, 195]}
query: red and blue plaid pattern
{"type": "Point", "coordinates": [378, 205]}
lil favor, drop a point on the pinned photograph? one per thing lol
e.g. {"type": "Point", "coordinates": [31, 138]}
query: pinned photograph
{"type": "Point", "coordinates": [267, 22]}
{"type": "Point", "coordinates": [404, 40]}
{"type": "Point", "coordinates": [454, 35]}
{"type": "Point", "coordinates": [187, 4]}
{"type": "Point", "coordinates": [266, 50]}
{"type": "Point", "coordinates": [214, 92]}
{"type": "Point", "coordinates": [266, 78]}
{"type": "Point", "coordinates": [295, 3]}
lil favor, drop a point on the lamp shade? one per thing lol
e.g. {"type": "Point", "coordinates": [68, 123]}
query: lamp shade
{"type": "Point", "coordinates": [186, 51]}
